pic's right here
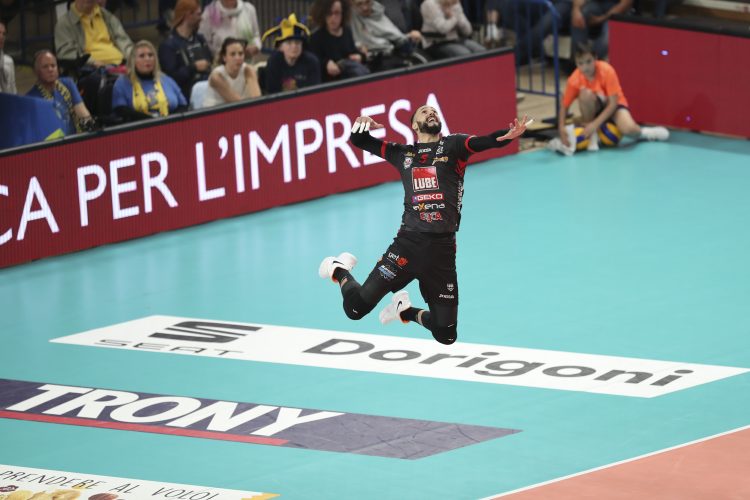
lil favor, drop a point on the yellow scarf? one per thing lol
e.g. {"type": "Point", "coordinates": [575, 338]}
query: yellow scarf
{"type": "Point", "coordinates": [140, 99]}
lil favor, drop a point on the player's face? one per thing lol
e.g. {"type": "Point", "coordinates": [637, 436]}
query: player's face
{"type": "Point", "coordinates": [586, 64]}
{"type": "Point", "coordinates": [426, 120]}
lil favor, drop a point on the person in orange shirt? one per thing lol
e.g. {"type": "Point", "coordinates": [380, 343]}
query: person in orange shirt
{"type": "Point", "coordinates": [600, 98]}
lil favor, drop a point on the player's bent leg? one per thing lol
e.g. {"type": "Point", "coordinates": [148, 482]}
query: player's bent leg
{"type": "Point", "coordinates": [443, 323]}
{"type": "Point", "coordinates": [359, 300]}
{"type": "Point", "coordinates": [355, 306]}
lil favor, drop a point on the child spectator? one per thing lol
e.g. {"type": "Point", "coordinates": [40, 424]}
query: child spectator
{"type": "Point", "coordinates": [290, 67]}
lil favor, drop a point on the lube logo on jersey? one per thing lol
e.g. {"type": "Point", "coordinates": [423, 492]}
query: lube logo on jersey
{"type": "Point", "coordinates": [253, 423]}
{"type": "Point", "coordinates": [424, 178]}
{"type": "Point", "coordinates": [419, 198]}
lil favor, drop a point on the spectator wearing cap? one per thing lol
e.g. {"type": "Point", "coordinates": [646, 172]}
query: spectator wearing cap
{"type": "Point", "coordinates": [231, 18]}
{"type": "Point", "coordinates": [7, 69]}
{"type": "Point", "coordinates": [63, 93]}
{"type": "Point", "coordinates": [185, 55]}
{"type": "Point", "coordinates": [290, 67]}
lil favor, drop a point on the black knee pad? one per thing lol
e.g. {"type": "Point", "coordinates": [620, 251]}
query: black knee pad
{"type": "Point", "coordinates": [445, 335]}
{"type": "Point", "coordinates": [355, 306]}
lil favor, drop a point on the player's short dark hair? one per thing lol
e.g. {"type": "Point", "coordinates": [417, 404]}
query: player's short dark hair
{"type": "Point", "coordinates": [584, 49]}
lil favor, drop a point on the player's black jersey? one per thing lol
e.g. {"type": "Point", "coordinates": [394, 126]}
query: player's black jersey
{"type": "Point", "coordinates": [433, 177]}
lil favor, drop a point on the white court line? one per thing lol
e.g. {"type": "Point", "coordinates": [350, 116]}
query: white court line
{"type": "Point", "coordinates": [525, 488]}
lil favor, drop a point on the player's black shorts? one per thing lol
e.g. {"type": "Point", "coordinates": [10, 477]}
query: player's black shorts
{"type": "Point", "coordinates": [429, 258]}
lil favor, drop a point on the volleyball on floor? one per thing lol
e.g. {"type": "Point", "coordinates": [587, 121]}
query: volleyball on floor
{"type": "Point", "coordinates": [609, 134]}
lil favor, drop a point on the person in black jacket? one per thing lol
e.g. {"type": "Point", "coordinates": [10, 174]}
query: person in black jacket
{"type": "Point", "coordinates": [333, 42]}
{"type": "Point", "coordinates": [432, 173]}
{"type": "Point", "coordinates": [290, 67]}
{"type": "Point", "coordinates": [185, 55]}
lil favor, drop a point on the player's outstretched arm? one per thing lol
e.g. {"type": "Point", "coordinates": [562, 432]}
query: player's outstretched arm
{"type": "Point", "coordinates": [501, 137]}
{"type": "Point", "coordinates": [516, 129]}
{"type": "Point", "coordinates": [361, 136]}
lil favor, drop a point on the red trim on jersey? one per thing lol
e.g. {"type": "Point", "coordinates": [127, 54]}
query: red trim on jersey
{"type": "Point", "coordinates": [466, 143]}
{"type": "Point", "coordinates": [382, 149]}
{"type": "Point", "coordinates": [461, 167]}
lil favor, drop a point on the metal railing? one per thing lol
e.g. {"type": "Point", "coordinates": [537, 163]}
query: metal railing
{"type": "Point", "coordinates": [533, 21]}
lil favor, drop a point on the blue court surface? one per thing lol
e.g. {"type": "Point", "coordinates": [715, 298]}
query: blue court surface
{"type": "Point", "coordinates": [604, 315]}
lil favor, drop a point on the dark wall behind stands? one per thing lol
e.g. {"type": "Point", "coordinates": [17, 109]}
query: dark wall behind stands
{"type": "Point", "coordinates": [179, 172]}
{"type": "Point", "coordinates": [683, 77]}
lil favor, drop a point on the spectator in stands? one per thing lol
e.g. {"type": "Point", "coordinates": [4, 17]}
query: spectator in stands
{"type": "Point", "coordinates": [333, 43]}
{"type": "Point", "coordinates": [290, 67]}
{"type": "Point", "coordinates": [495, 11]}
{"type": "Point", "coordinates": [234, 79]}
{"type": "Point", "coordinates": [7, 69]}
{"type": "Point", "coordinates": [144, 91]}
{"type": "Point", "coordinates": [596, 86]}
{"type": "Point", "coordinates": [386, 46]}
{"type": "Point", "coordinates": [531, 45]}
{"type": "Point", "coordinates": [62, 92]}
{"type": "Point", "coordinates": [404, 14]}
{"type": "Point", "coordinates": [90, 29]}
{"type": "Point", "coordinates": [446, 30]}
{"type": "Point", "coordinates": [231, 18]}
{"type": "Point", "coordinates": [588, 21]}
{"type": "Point", "coordinates": [185, 55]}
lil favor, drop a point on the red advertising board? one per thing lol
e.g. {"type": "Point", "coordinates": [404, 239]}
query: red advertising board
{"type": "Point", "coordinates": [680, 77]}
{"type": "Point", "coordinates": [208, 166]}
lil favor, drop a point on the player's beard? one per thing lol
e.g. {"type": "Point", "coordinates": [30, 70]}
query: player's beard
{"type": "Point", "coordinates": [430, 128]}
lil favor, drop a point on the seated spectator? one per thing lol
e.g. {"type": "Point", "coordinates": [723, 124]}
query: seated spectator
{"type": "Point", "coordinates": [231, 18]}
{"type": "Point", "coordinates": [144, 91]}
{"type": "Point", "coordinates": [185, 55]}
{"type": "Point", "coordinates": [90, 29]}
{"type": "Point", "coordinates": [446, 30]}
{"type": "Point", "coordinates": [596, 87]}
{"type": "Point", "coordinates": [7, 69]}
{"type": "Point", "coordinates": [62, 92]}
{"type": "Point", "coordinates": [588, 21]}
{"type": "Point", "coordinates": [530, 45]}
{"type": "Point", "coordinates": [290, 67]}
{"type": "Point", "coordinates": [404, 14]}
{"type": "Point", "coordinates": [233, 80]}
{"type": "Point", "coordinates": [333, 43]}
{"type": "Point", "coordinates": [386, 46]}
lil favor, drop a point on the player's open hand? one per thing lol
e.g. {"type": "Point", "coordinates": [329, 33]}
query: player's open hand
{"type": "Point", "coordinates": [516, 128]}
{"type": "Point", "coordinates": [365, 123]}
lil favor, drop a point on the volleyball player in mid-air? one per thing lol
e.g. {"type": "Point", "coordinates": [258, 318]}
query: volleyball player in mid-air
{"type": "Point", "coordinates": [432, 172]}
